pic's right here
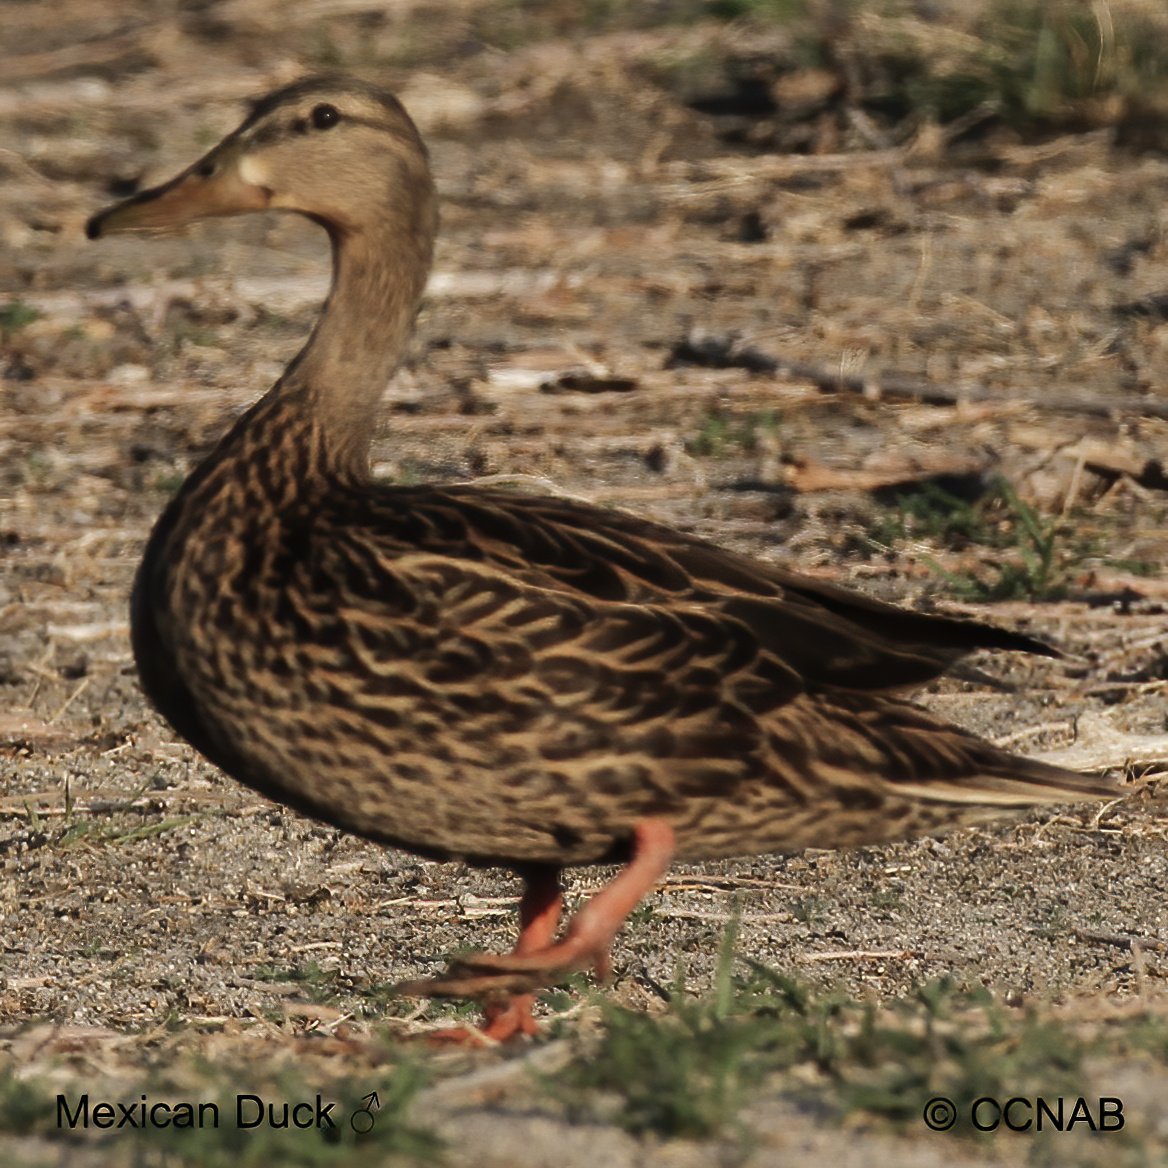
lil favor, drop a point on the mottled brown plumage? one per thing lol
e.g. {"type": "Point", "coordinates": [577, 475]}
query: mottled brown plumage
{"type": "Point", "coordinates": [495, 677]}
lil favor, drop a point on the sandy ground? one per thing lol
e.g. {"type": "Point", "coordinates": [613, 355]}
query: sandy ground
{"type": "Point", "coordinates": [592, 221]}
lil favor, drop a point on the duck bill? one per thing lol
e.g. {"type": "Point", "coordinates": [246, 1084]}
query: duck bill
{"type": "Point", "coordinates": [212, 186]}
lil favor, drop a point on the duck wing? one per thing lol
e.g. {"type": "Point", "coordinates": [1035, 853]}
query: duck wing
{"type": "Point", "coordinates": [575, 717]}
{"type": "Point", "coordinates": [830, 636]}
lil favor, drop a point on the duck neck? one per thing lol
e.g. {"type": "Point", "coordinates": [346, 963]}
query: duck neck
{"type": "Point", "coordinates": [340, 374]}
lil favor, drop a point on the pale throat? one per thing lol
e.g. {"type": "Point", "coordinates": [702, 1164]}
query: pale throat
{"type": "Point", "coordinates": [359, 339]}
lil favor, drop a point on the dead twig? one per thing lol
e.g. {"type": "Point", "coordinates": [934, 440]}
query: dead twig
{"type": "Point", "coordinates": [726, 352]}
{"type": "Point", "coordinates": [859, 955]}
{"type": "Point", "coordinates": [1120, 940]}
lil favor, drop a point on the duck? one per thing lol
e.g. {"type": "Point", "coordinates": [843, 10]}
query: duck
{"type": "Point", "coordinates": [500, 678]}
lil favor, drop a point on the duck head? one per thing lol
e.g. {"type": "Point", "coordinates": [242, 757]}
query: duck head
{"type": "Point", "coordinates": [341, 152]}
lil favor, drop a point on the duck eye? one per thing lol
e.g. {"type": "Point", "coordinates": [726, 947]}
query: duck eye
{"type": "Point", "coordinates": [325, 115]}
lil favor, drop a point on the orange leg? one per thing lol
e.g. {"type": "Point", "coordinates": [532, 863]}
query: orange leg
{"type": "Point", "coordinates": [588, 941]}
{"type": "Point", "coordinates": [539, 917]}
{"type": "Point", "coordinates": [506, 981]}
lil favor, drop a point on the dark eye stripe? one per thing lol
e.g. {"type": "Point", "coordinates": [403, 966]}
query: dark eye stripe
{"type": "Point", "coordinates": [325, 116]}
